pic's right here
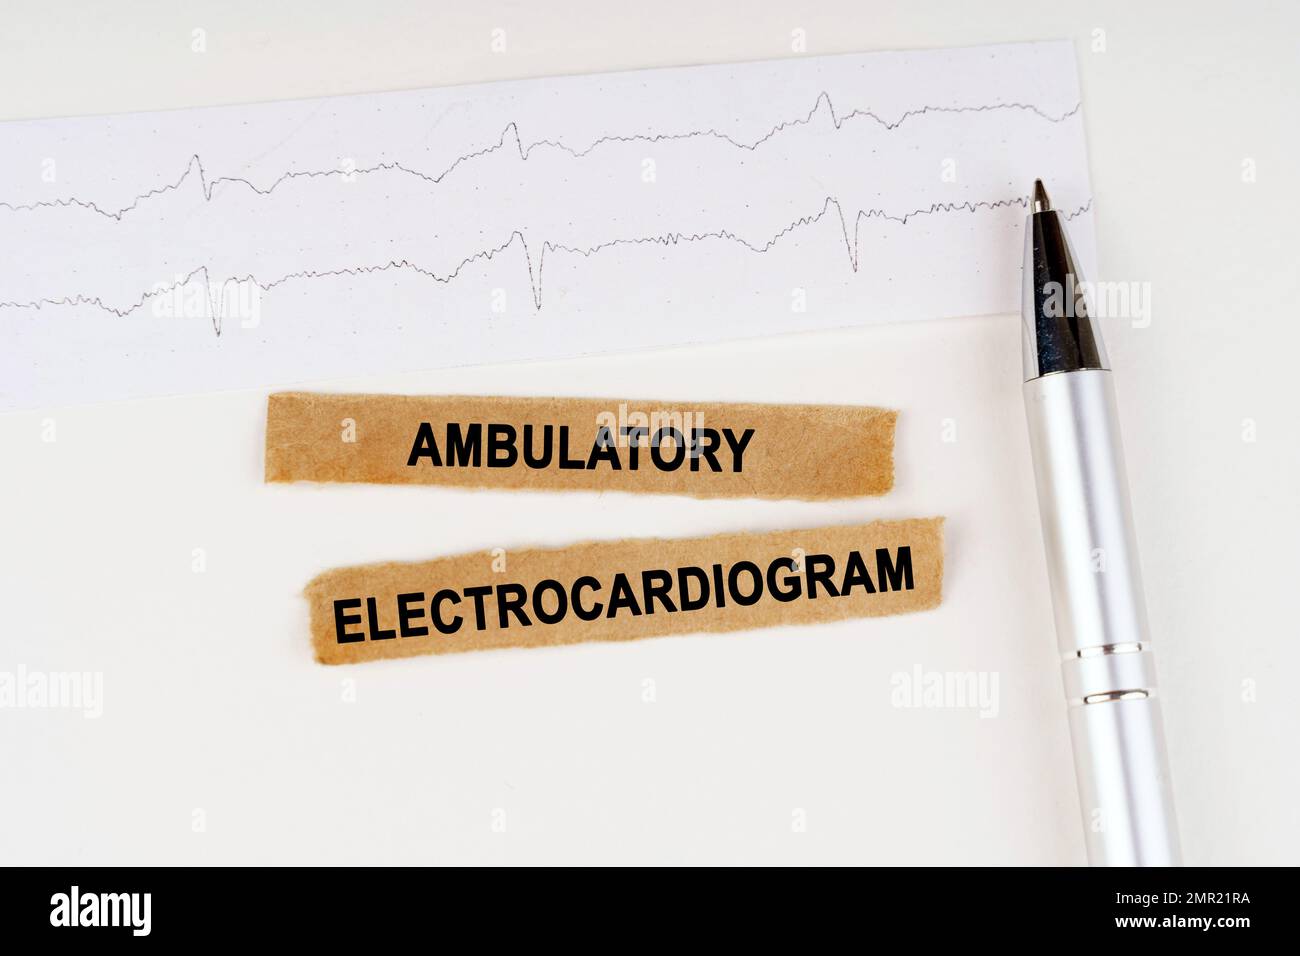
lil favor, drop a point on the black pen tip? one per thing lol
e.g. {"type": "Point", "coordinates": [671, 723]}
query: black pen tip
{"type": "Point", "coordinates": [1041, 202]}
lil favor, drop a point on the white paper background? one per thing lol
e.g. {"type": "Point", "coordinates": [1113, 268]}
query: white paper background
{"type": "Point", "coordinates": [526, 220]}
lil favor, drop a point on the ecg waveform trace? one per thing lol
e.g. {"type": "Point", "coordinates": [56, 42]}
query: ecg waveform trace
{"type": "Point", "coordinates": [535, 272]}
{"type": "Point", "coordinates": [511, 132]}
{"type": "Point", "coordinates": [665, 207]}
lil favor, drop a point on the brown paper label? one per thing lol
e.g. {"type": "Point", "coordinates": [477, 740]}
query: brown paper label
{"type": "Point", "coordinates": [623, 590]}
{"type": "Point", "coordinates": [703, 449]}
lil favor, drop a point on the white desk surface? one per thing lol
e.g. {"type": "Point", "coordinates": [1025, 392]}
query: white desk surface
{"type": "Point", "coordinates": [213, 704]}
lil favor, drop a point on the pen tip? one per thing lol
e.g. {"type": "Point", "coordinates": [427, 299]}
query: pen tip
{"type": "Point", "coordinates": [1040, 203]}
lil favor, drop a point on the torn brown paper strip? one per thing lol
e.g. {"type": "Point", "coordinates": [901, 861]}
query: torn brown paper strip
{"type": "Point", "coordinates": [623, 590]}
{"type": "Point", "coordinates": [702, 449]}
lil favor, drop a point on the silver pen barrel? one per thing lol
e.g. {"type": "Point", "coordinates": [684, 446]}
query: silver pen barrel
{"type": "Point", "coordinates": [1120, 761]}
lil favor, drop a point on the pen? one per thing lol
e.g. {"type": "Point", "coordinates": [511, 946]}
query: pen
{"type": "Point", "coordinates": [1120, 763]}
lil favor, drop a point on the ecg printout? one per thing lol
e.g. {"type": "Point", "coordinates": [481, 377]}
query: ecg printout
{"type": "Point", "coordinates": [238, 246]}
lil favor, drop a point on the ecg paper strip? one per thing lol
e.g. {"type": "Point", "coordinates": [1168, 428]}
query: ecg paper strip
{"type": "Point", "coordinates": [227, 247]}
